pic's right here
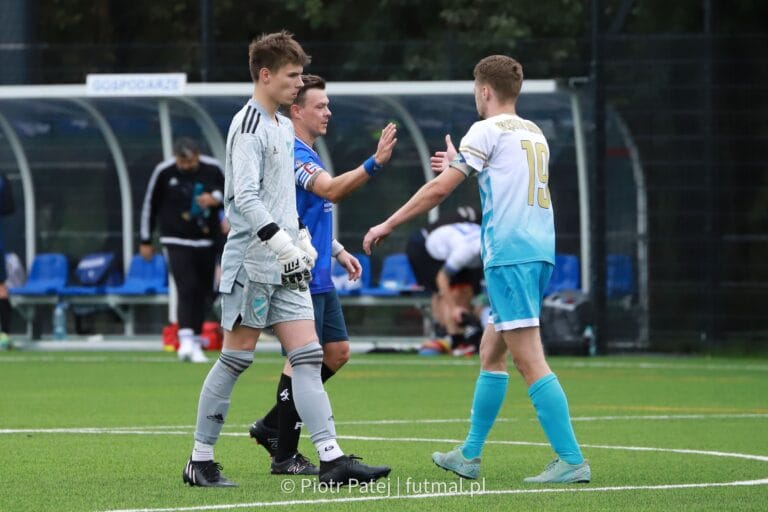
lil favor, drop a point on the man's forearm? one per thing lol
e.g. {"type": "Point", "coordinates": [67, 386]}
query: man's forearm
{"type": "Point", "coordinates": [344, 184]}
{"type": "Point", "coordinates": [426, 198]}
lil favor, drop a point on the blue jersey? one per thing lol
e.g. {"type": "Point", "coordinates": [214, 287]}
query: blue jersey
{"type": "Point", "coordinates": [316, 213]}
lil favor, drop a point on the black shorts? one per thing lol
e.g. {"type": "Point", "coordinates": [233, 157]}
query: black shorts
{"type": "Point", "coordinates": [425, 267]}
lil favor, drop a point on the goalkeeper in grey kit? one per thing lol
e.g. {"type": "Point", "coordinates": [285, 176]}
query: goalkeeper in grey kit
{"type": "Point", "coordinates": [266, 269]}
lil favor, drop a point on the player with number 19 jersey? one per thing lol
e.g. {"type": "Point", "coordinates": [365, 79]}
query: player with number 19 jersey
{"type": "Point", "coordinates": [510, 156]}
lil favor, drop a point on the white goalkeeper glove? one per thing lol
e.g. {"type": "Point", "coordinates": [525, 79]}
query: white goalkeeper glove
{"type": "Point", "coordinates": [304, 243]}
{"type": "Point", "coordinates": [294, 264]}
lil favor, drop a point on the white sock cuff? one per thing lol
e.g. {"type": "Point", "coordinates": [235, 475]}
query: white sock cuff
{"type": "Point", "coordinates": [202, 451]}
{"type": "Point", "coordinates": [329, 450]}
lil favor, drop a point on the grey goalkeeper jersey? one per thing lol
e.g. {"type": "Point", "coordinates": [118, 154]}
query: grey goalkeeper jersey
{"type": "Point", "coordinates": [258, 189]}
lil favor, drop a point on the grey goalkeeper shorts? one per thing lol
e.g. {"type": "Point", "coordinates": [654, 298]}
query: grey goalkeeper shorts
{"type": "Point", "coordinates": [261, 305]}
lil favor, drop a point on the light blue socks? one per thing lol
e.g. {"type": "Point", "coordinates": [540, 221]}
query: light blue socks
{"type": "Point", "coordinates": [552, 409]}
{"type": "Point", "coordinates": [490, 389]}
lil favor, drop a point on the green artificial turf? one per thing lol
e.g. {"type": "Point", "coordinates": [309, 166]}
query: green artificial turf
{"type": "Point", "coordinates": [112, 431]}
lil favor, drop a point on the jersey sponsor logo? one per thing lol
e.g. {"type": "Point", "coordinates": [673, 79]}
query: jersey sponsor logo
{"type": "Point", "coordinates": [173, 182]}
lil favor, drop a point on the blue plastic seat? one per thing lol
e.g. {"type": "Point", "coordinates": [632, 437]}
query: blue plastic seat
{"type": "Point", "coordinates": [339, 276]}
{"type": "Point", "coordinates": [47, 277]}
{"type": "Point", "coordinates": [396, 277]}
{"type": "Point", "coordinates": [94, 273]}
{"type": "Point", "coordinates": [619, 276]}
{"type": "Point", "coordinates": [566, 276]}
{"type": "Point", "coordinates": [144, 277]}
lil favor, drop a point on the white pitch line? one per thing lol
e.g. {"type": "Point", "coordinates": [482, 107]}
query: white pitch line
{"type": "Point", "coordinates": [98, 431]}
{"type": "Point", "coordinates": [668, 417]}
{"type": "Point", "coordinates": [661, 366]}
{"type": "Point", "coordinates": [169, 359]}
{"type": "Point", "coordinates": [422, 362]}
{"type": "Point", "coordinates": [590, 363]}
{"type": "Point", "coordinates": [322, 501]}
{"type": "Point", "coordinates": [685, 451]}
{"type": "Point", "coordinates": [649, 417]}
{"type": "Point", "coordinates": [186, 429]}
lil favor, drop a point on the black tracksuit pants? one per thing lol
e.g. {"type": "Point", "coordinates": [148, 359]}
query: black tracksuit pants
{"type": "Point", "coordinates": [192, 269]}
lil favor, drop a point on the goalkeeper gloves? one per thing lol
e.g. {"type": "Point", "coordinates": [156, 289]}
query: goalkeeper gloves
{"type": "Point", "coordinates": [304, 243]}
{"type": "Point", "coordinates": [294, 263]}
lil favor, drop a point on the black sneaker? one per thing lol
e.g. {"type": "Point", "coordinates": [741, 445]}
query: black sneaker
{"type": "Point", "coordinates": [296, 464]}
{"type": "Point", "coordinates": [205, 473]}
{"type": "Point", "coordinates": [265, 436]}
{"type": "Point", "coordinates": [347, 470]}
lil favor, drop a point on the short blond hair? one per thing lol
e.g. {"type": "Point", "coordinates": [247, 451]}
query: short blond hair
{"type": "Point", "coordinates": [504, 75]}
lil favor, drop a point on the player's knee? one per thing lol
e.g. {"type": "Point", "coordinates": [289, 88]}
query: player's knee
{"type": "Point", "coordinates": [490, 360]}
{"type": "Point", "coordinates": [309, 355]}
{"type": "Point", "coordinates": [241, 338]}
{"type": "Point", "coordinates": [343, 358]}
{"type": "Point", "coordinates": [521, 365]}
{"type": "Point", "coordinates": [336, 355]}
{"type": "Point", "coordinates": [528, 367]}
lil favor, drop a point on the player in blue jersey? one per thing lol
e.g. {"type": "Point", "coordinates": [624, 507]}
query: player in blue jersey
{"type": "Point", "coordinates": [510, 157]}
{"type": "Point", "coordinates": [316, 191]}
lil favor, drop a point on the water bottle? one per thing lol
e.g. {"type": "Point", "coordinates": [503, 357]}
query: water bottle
{"type": "Point", "coordinates": [194, 209]}
{"type": "Point", "coordinates": [60, 321]}
{"type": "Point", "coordinates": [589, 341]}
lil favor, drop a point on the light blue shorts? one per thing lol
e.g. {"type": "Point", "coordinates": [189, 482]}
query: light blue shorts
{"type": "Point", "coordinates": [515, 293]}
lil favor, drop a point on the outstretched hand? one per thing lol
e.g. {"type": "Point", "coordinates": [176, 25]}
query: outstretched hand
{"type": "Point", "coordinates": [442, 159]}
{"type": "Point", "coordinates": [375, 236]}
{"type": "Point", "coordinates": [350, 264]}
{"type": "Point", "coordinates": [387, 143]}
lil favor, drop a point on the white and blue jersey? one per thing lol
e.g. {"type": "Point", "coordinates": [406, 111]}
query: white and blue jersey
{"type": "Point", "coordinates": [315, 212]}
{"type": "Point", "coordinates": [511, 158]}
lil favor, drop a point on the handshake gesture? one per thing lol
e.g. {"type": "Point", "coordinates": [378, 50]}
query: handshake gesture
{"type": "Point", "coordinates": [295, 260]}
